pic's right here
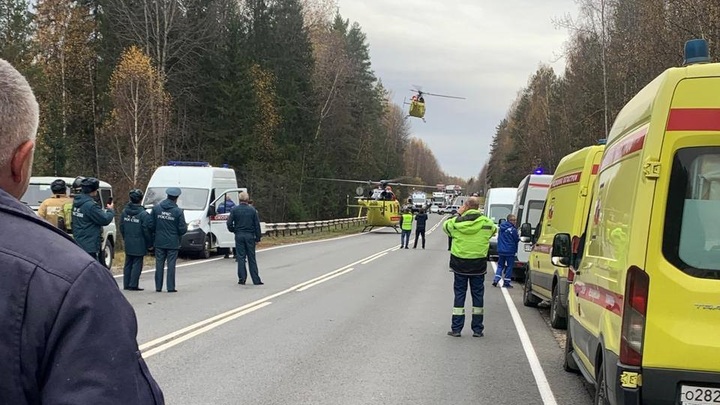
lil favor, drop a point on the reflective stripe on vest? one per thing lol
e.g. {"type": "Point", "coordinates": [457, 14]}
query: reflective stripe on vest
{"type": "Point", "coordinates": [478, 310]}
{"type": "Point", "coordinates": [458, 311]}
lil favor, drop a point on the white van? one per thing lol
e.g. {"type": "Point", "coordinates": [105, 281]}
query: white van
{"type": "Point", "coordinates": [498, 205]}
{"type": "Point", "coordinates": [528, 208]}
{"type": "Point", "coordinates": [39, 190]}
{"type": "Point", "coordinates": [203, 191]}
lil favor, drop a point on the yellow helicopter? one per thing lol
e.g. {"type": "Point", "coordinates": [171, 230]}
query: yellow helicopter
{"type": "Point", "coordinates": [381, 204]}
{"type": "Point", "coordinates": [417, 102]}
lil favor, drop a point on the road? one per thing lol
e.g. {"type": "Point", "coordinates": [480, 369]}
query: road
{"type": "Point", "coordinates": [351, 320]}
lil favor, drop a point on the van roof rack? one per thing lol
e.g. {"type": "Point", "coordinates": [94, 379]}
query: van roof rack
{"type": "Point", "coordinates": [193, 164]}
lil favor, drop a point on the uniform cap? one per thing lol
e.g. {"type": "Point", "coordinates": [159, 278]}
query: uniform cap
{"type": "Point", "coordinates": [90, 184]}
{"type": "Point", "coordinates": [136, 195]}
{"type": "Point", "coordinates": [58, 186]}
{"type": "Point", "coordinates": [173, 192]}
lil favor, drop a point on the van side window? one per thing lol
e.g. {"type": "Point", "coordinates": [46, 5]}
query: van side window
{"type": "Point", "coordinates": [105, 194]}
{"type": "Point", "coordinates": [691, 240]}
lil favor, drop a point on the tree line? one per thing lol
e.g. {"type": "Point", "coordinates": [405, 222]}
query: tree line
{"type": "Point", "coordinates": [616, 47]}
{"type": "Point", "coordinates": [282, 91]}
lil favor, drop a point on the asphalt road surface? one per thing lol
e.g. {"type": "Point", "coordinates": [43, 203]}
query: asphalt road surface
{"type": "Point", "coordinates": [351, 320]}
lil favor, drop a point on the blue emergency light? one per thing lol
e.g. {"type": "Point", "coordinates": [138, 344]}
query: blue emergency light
{"type": "Point", "coordinates": [539, 170]}
{"type": "Point", "coordinates": [191, 164]}
{"type": "Point", "coordinates": [602, 141]}
{"type": "Point", "coordinates": [696, 51]}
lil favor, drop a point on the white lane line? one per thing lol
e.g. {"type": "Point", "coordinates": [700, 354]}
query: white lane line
{"type": "Point", "coordinates": [376, 257]}
{"type": "Point", "coordinates": [325, 279]}
{"type": "Point", "coordinates": [436, 225]}
{"type": "Point", "coordinates": [211, 326]}
{"type": "Point", "coordinates": [543, 385]}
{"type": "Point", "coordinates": [195, 263]}
{"type": "Point", "coordinates": [232, 312]}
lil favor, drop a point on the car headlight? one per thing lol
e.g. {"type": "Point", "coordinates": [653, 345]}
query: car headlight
{"type": "Point", "coordinates": [193, 225]}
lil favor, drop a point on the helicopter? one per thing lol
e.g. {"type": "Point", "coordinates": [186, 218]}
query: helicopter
{"type": "Point", "coordinates": [381, 203]}
{"type": "Point", "coordinates": [417, 102]}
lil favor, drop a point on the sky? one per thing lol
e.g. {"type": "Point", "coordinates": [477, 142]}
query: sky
{"type": "Point", "coordinates": [483, 50]}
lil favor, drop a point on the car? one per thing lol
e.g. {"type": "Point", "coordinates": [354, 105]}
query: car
{"type": "Point", "coordinates": [434, 209]}
{"type": "Point", "coordinates": [39, 189]}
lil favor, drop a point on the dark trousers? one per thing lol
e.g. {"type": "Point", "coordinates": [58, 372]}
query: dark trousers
{"type": "Point", "coordinates": [245, 247]}
{"type": "Point", "coordinates": [477, 291]}
{"type": "Point", "coordinates": [161, 255]}
{"type": "Point", "coordinates": [405, 238]}
{"type": "Point", "coordinates": [449, 243]}
{"type": "Point", "coordinates": [132, 270]}
{"type": "Point", "coordinates": [419, 232]}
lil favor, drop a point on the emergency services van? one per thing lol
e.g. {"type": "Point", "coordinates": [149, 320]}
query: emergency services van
{"type": "Point", "coordinates": [498, 205]}
{"type": "Point", "coordinates": [644, 319]}
{"type": "Point", "coordinates": [566, 208]}
{"type": "Point", "coordinates": [528, 206]}
{"type": "Point", "coordinates": [205, 190]}
{"type": "Point", "coordinates": [39, 190]}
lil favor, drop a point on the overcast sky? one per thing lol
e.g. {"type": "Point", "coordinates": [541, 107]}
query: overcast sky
{"type": "Point", "coordinates": [484, 50]}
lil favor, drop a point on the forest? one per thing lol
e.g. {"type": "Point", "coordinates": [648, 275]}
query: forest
{"type": "Point", "coordinates": [282, 91]}
{"type": "Point", "coordinates": [615, 48]}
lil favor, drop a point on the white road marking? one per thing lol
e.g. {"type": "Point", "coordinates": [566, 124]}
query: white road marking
{"type": "Point", "coordinates": [376, 257]}
{"type": "Point", "coordinates": [543, 385]}
{"type": "Point", "coordinates": [190, 330]}
{"type": "Point", "coordinates": [325, 279]}
{"type": "Point", "coordinates": [206, 328]}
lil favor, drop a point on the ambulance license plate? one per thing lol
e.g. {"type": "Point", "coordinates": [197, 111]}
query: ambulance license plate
{"type": "Point", "coordinates": [691, 395]}
{"type": "Point", "coordinates": [528, 248]}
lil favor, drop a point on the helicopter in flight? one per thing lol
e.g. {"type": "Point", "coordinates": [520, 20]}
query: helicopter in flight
{"type": "Point", "coordinates": [381, 204]}
{"type": "Point", "coordinates": [417, 102]}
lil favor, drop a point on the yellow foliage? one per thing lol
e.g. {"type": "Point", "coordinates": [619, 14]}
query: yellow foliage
{"type": "Point", "coordinates": [264, 87]}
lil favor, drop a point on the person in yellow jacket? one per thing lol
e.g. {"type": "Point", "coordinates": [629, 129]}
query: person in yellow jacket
{"type": "Point", "coordinates": [470, 233]}
{"type": "Point", "coordinates": [406, 222]}
{"type": "Point", "coordinates": [51, 209]}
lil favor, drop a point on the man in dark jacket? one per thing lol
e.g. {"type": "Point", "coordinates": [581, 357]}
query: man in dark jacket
{"type": "Point", "coordinates": [421, 219]}
{"type": "Point", "coordinates": [59, 342]}
{"type": "Point", "coordinates": [471, 232]}
{"type": "Point", "coordinates": [507, 246]}
{"type": "Point", "coordinates": [89, 219]}
{"type": "Point", "coordinates": [134, 228]}
{"type": "Point", "coordinates": [167, 223]}
{"type": "Point", "coordinates": [244, 222]}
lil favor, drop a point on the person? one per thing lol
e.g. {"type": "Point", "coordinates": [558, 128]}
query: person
{"type": "Point", "coordinates": [167, 224]}
{"type": "Point", "coordinates": [421, 219]}
{"type": "Point", "coordinates": [134, 228]}
{"type": "Point", "coordinates": [471, 232]}
{"type": "Point", "coordinates": [450, 237]}
{"type": "Point", "coordinates": [406, 220]}
{"type": "Point", "coordinates": [244, 222]}
{"type": "Point", "coordinates": [226, 206]}
{"type": "Point", "coordinates": [52, 209]}
{"type": "Point", "coordinates": [68, 334]}
{"type": "Point", "coordinates": [88, 218]}
{"type": "Point", "coordinates": [507, 246]}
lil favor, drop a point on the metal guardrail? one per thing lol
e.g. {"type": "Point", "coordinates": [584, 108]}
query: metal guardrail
{"type": "Point", "coordinates": [294, 228]}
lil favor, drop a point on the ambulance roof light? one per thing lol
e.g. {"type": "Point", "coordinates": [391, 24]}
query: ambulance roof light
{"type": "Point", "coordinates": [696, 51]}
{"type": "Point", "coordinates": [602, 141]}
{"type": "Point", "coordinates": [539, 170]}
{"type": "Point", "coordinates": [193, 164]}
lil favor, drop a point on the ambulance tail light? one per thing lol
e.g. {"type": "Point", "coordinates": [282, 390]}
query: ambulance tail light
{"type": "Point", "coordinates": [634, 314]}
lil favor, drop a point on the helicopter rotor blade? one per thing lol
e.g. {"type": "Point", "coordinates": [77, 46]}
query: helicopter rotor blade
{"type": "Point", "coordinates": [345, 180]}
{"type": "Point", "coordinates": [445, 96]}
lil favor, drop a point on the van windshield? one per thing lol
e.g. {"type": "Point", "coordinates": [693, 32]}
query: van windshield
{"type": "Point", "coordinates": [36, 194]}
{"type": "Point", "coordinates": [691, 239]}
{"type": "Point", "coordinates": [190, 198]}
{"type": "Point", "coordinates": [500, 211]}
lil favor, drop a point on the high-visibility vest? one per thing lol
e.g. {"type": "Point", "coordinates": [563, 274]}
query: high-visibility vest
{"type": "Point", "coordinates": [407, 222]}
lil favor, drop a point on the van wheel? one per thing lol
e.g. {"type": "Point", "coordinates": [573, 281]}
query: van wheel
{"type": "Point", "coordinates": [205, 252]}
{"type": "Point", "coordinates": [569, 364]}
{"type": "Point", "coordinates": [529, 300]}
{"type": "Point", "coordinates": [601, 389]}
{"type": "Point", "coordinates": [108, 255]}
{"type": "Point", "coordinates": [557, 321]}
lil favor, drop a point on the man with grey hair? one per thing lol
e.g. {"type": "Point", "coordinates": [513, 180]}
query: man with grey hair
{"type": "Point", "coordinates": [244, 222]}
{"type": "Point", "coordinates": [59, 343]}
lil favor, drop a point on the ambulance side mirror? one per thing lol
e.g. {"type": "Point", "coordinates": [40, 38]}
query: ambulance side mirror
{"type": "Point", "coordinates": [561, 250]}
{"type": "Point", "coordinates": [525, 232]}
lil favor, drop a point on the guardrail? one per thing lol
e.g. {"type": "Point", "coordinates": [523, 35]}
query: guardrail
{"type": "Point", "coordinates": [294, 228]}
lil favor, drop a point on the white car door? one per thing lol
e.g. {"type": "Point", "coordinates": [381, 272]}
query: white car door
{"type": "Point", "coordinates": [218, 222]}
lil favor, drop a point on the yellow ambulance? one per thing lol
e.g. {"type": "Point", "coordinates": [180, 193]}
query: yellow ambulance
{"type": "Point", "coordinates": [566, 211]}
{"type": "Point", "coordinates": [644, 307]}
